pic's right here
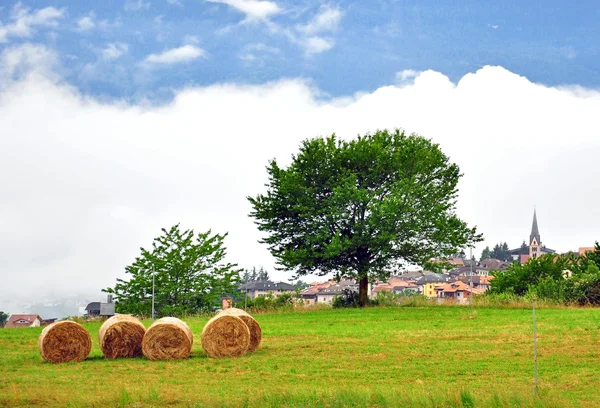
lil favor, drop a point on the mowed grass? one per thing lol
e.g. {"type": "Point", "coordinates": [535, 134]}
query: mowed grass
{"type": "Point", "coordinates": [404, 356]}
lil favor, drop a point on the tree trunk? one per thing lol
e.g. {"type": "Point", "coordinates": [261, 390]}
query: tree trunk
{"type": "Point", "coordinates": [363, 289]}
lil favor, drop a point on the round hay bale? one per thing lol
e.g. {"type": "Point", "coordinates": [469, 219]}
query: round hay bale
{"type": "Point", "coordinates": [64, 341]}
{"type": "Point", "coordinates": [253, 326]}
{"type": "Point", "coordinates": [121, 336]}
{"type": "Point", "coordinates": [225, 335]}
{"type": "Point", "coordinates": [167, 338]}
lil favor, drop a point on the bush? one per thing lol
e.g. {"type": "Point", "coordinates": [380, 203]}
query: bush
{"type": "Point", "coordinates": [348, 298]}
{"type": "Point", "coordinates": [559, 279]}
{"type": "Point", "coordinates": [384, 298]}
{"type": "Point", "coordinates": [267, 303]}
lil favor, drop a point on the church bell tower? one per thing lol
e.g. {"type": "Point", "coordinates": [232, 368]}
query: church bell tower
{"type": "Point", "coordinates": [535, 243]}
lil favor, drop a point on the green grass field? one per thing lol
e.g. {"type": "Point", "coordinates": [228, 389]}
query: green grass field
{"type": "Point", "coordinates": [404, 356]}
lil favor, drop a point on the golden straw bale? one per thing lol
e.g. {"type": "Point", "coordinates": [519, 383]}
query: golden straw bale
{"type": "Point", "coordinates": [167, 338]}
{"type": "Point", "coordinates": [121, 336]}
{"type": "Point", "coordinates": [253, 326]}
{"type": "Point", "coordinates": [64, 341]}
{"type": "Point", "coordinates": [225, 336]}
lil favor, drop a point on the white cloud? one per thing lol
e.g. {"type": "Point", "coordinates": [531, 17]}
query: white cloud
{"type": "Point", "coordinates": [309, 36]}
{"type": "Point", "coordinates": [97, 180]}
{"type": "Point", "coordinates": [114, 50]}
{"type": "Point", "coordinates": [328, 19]}
{"type": "Point", "coordinates": [253, 9]}
{"type": "Point", "coordinates": [136, 5]}
{"type": "Point", "coordinates": [24, 20]}
{"type": "Point", "coordinates": [26, 59]}
{"type": "Point", "coordinates": [407, 74]}
{"type": "Point", "coordinates": [175, 3]}
{"type": "Point", "coordinates": [316, 45]}
{"type": "Point", "coordinates": [86, 23]}
{"type": "Point", "coordinates": [185, 53]}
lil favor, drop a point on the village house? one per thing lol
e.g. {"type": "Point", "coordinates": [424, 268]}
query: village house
{"type": "Point", "coordinates": [453, 290]}
{"type": "Point", "coordinates": [483, 268]}
{"type": "Point", "coordinates": [404, 287]}
{"type": "Point", "coordinates": [264, 288]}
{"type": "Point", "coordinates": [309, 295]}
{"type": "Point", "coordinates": [426, 284]}
{"type": "Point", "coordinates": [101, 309]}
{"type": "Point", "coordinates": [327, 294]}
{"type": "Point", "coordinates": [481, 283]}
{"type": "Point", "coordinates": [23, 320]}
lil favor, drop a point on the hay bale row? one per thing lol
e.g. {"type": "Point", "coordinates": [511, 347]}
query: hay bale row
{"type": "Point", "coordinates": [231, 333]}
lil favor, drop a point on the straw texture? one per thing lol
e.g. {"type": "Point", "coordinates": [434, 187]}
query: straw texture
{"type": "Point", "coordinates": [253, 326]}
{"type": "Point", "coordinates": [225, 336]}
{"type": "Point", "coordinates": [167, 338]}
{"type": "Point", "coordinates": [65, 341]}
{"type": "Point", "coordinates": [121, 336]}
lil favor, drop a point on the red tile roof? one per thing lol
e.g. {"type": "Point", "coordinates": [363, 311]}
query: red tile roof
{"type": "Point", "coordinates": [14, 320]}
{"type": "Point", "coordinates": [453, 287]}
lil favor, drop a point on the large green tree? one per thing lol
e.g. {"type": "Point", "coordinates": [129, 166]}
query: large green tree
{"type": "Point", "coordinates": [361, 208]}
{"type": "Point", "coordinates": [189, 272]}
{"type": "Point", "coordinates": [3, 319]}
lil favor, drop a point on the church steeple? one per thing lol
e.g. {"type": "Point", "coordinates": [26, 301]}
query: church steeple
{"type": "Point", "coordinates": [535, 233]}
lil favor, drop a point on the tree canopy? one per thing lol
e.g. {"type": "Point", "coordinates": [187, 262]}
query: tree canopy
{"type": "Point", "coordinates": [361, 208]}
{"type": "Point", "coordinates": [254, 275]}
{"type": "Point", "coordinates": [500, 251]}
{"type": "Point", "coordinates": [189, 272]}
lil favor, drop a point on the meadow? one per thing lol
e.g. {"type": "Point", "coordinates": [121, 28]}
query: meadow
{"type": "Point", "coordinates": [434, 356]}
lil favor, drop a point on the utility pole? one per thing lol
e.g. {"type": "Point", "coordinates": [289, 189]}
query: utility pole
{"type": "Point", "coordinates": [535, 365]}
{"type": "Point", "coordinates": [153, 273]}
{"type": "Point", "coordinates": [471, 279]}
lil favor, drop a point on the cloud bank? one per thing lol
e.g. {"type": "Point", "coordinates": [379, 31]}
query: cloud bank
{"type": "Point", "coordinates": [24, 21]}
{"type": "Point", "coordinates": [85, 183]}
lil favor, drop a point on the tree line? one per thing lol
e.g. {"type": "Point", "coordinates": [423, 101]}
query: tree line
{"type": "Point", "coordinates": [569, 279]}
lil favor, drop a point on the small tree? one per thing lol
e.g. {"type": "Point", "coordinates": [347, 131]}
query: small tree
{"type": "Point", "coordinates": [3, 319]}
{"type": "Point", "coordinates": [485, 254]}
{"type": "Point", "coordinates": [300, 284]}
{"type": "Point", "coordinates": [189, 275]}
{"type": "Point", "coordinates": [501, 252]}
{"type": "Point", "coordinates": [524, 248]}
{"type": "Point", "coordinates": [263, 275]}
{"type": "Point", "coordinates": [246, 276]}
{"type": "Point", "coordinates": [254, 274]}
{"type": "Point", "coordinates": [361, 208]}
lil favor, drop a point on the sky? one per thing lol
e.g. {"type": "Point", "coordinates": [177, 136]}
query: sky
{"type": "Point", "coordinates": [119, 118]}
